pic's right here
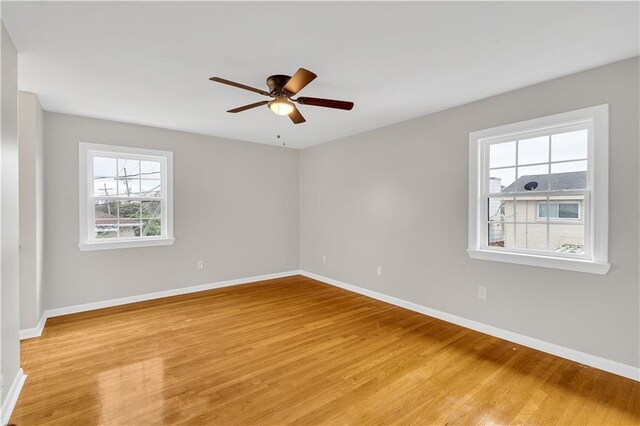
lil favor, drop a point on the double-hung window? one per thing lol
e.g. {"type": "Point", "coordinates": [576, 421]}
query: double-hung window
{"type": "Point", "coordinates": [125, 197]}
{"type": "Point", "coordinates": [538, 192]}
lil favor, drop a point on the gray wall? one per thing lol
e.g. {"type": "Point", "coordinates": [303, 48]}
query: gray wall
{"type": "Point", "coordinates": [9, 268]}
{"type": "Point", "coordinates": [235, 208]}
{"type": "Point", "coordinates": [397, 197]}
{"type": "Point", "coordinates": [30, 152]}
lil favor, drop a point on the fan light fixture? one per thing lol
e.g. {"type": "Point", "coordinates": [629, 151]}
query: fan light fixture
{"type": "Point", "coordinates": [281, 106]}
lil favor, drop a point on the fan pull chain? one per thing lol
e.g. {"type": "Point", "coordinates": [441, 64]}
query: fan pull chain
{"type": "Point", "coordinates": [278, 118]}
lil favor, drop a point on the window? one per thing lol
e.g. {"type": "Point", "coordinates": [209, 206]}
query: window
{"type": "Point", "coordinates": [538, 192]}
{"type": "Point", "coordinates": [125, 197]}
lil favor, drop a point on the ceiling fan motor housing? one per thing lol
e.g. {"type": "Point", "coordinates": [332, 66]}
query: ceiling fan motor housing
{"type": "Point", "coordinates": [276, 84]}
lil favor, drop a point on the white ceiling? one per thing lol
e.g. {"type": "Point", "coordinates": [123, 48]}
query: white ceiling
{"type": "Point", "coordinates": [149, 62]}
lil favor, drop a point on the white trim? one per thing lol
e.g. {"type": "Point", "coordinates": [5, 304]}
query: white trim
{"type": "Point", "coordinates": [122, 244]}
{"type": "Point", "coordinates": [595, 213]}
{"type": "Point", "coordinates": [551, 348]}
{"type": "Point", "coordinates": [554, 262]}
{"type": "Point", "coordinates": [160, 294]}
{"type": "Point", "coordinates": [29, 333]}
{"type": "Point", "coordinates": [12, 397]}
{"type": "Point", "coordinates": [611, 366]}
{"type": "Point", "coordinates": [85, 216]}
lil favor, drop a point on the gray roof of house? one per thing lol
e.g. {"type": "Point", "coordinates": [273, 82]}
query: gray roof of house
{"type": "Point", "coordinates": [552, 182]}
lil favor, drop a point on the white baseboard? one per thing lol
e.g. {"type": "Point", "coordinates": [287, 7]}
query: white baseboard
{"type": "Point", "coordinates": [36, 331]}
{"type": "Point", "coordinates": [551, 348]}
{"type": "Point", "coordinates": [160, 294]}
{"type": "Point", "coordinates": [12, 397]}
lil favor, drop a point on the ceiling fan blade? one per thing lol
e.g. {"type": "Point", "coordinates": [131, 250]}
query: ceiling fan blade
{"type": "Point", "coordinates": [327, 103]}
{"type": "Point", "coordinates": [238, 85]}
{"type": "Point", "coordinates": [246, 107]}
{"type": "Point", "coordinates": [296, 117]}
{"type": "Point", "coordinates": [300, 79]}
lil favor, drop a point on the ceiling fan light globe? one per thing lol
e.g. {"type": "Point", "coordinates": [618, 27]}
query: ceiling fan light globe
{"type": "Point", "coordinates": [281, 106]}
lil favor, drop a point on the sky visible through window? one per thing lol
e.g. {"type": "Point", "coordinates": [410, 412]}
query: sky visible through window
{"type": "Point", "coordinates": [126, 177]}
{"type": "Point", "coordinates": [558, 153]}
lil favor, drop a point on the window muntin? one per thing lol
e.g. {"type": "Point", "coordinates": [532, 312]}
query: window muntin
{"type": "Point", "coordinates": [522, 224]}
{"type": "Point", "coordinates": [561, 150]}
{"type": "Point", "coordinates": [538, 169]}
{"type": "Point", "coordinates": [127, 196]}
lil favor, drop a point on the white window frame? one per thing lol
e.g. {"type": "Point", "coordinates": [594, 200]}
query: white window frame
{"type": "Point", "coordinates": [87, 151]}
{"type": "Point", "coordinates": [595, 208]}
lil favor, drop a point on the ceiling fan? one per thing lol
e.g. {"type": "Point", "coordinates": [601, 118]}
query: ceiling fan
{"type": "Point", "coordinates": [281, 89]}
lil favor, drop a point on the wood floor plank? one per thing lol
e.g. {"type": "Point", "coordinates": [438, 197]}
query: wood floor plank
{"type": "Point", "coordinates": [296, 351]}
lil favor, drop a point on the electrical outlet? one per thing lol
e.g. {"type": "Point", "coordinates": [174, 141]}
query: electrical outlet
{"type": "Point", "coordinates": [324, 258]}
{"type": "Point", "coordinates": [379, 271]}
{"type": "Point", "coordinates": [200, 264]}
{"type": "Point", "coordinates": [482, 293]}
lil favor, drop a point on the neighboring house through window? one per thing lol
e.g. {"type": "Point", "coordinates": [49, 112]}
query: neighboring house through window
{"type": "Point", "coordinates": [125, 197]}
{"type": "Point", "coordinates": [538, 192]}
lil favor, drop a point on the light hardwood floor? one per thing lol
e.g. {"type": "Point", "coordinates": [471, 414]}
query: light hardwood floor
{"type": "Point", "coordinates": [294, 350]}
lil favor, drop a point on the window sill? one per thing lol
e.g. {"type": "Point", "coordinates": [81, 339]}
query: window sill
{"type": "Point", "coordinates": [566, 264]}
{"type": "Point", "coordinates": [111, 245]}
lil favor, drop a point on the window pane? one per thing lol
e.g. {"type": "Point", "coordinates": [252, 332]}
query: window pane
{"type": "Point", "coordinates": [128, 178]}
{"type": "Point", "coordinates": [569, 146]}
{"type": "Point", "coordinates": [129, 229]}
{"type": "Point", "coordinates": [541, 169]}
{"type": "Point", "coordinates": [151, 188]}
{"type": "Point", "coordinates": [151, 228]}
{"type": "Point", "coordinates": [568, 210]}
{"type": "Point", "coordinates": [151, 209]}
{"type": "Point", "coordinates": [501, 179]}
{"type": "Point", "coordinates": [572, 175]}
{"type": "Point", "coordinates": [106, 210]}
{"type": "Point", "coordinates": [534, 150]}
{"type": "Point", "coordinates": [106, 228]}
{"type": "Point", "coordinates": [494, 210]}
{"type": "Point", "coordinates": [526, 208]}
{"type": "Point", "coordinates": [150, 171]}
{"type": "Point", "coordinates": [500, 209]}
{"type": "Point", "coordinates": [104, 176]}
{"type": "Point", "coordinates": [104, 187]}
{"type": "Point", "coordinates": [530, 236]}
{"type": "Point", "coordinates": [509, 235]}
{"type": "Point", "coordinates": [532, 178]}
{"type": "Point", "coordinates": [502, 154]}
{"type": "Point", "coordinates": [104, 167]}
{"type": "Point", "coordinates": [566, 238]}
{"type": "Point", "coordinates": [571, 166]}
{"type": "Point", "coordinates": [496, 234]}
{"type": "Point", "coordinates": [129, 209]}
